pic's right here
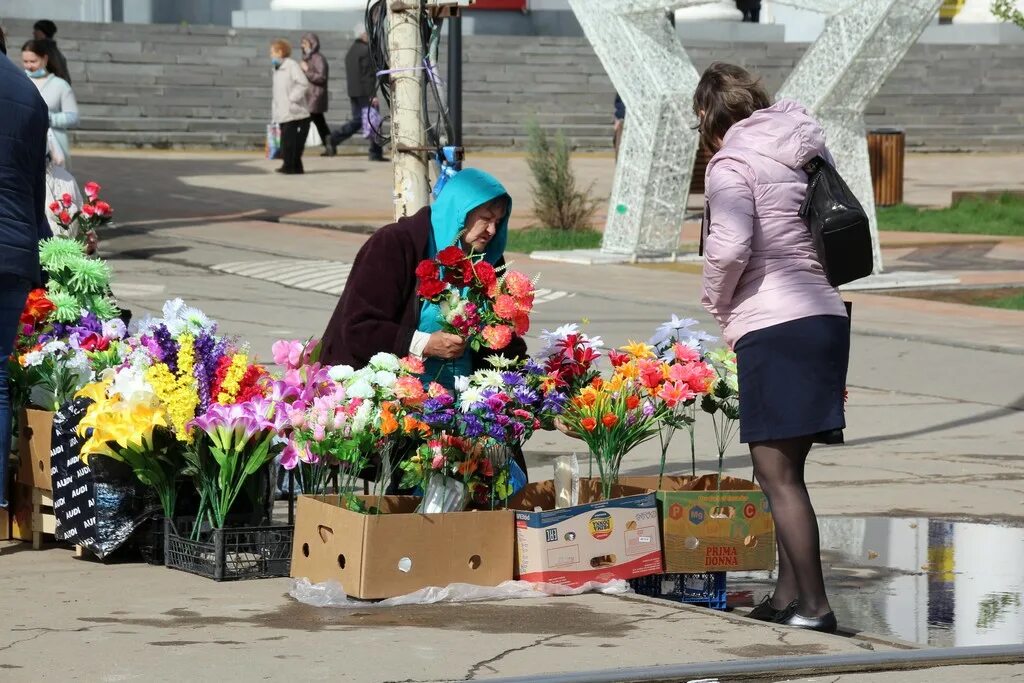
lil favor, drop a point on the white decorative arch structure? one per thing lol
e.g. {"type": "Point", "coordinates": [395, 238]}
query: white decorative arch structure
{"type": "Point", "coordinates": [843, 70]}
{"type": "Point", "coordinates": [639, 49]}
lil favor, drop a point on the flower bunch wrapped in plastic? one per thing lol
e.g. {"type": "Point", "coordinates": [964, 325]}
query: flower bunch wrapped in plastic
{"type": "Point", "coordinates": [684, 349]}
{"type": "Point", "coordinates": [230, 444]}
{"type": "Point", "coordinates": [616, 415]}
{"type": "Point", "coordinates": [451, 471]}
{"type": "Point", "coordinates": [477, 304]}
{"type": "Point", "coordinates": [133, 428]}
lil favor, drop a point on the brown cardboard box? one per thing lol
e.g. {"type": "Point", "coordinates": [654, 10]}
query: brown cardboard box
{"type": "Point", "coordinates": [596, 540]}
{"type": "Point", "coordinates": [34, 448]}
{"type": "Point", "coordinates": [21, 512]}
{"type": "Point", "coordinates": [385, 555]}
{"type": "Point", "coordinates": [705, 529]}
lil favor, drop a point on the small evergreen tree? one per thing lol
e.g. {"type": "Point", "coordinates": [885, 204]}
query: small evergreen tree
{"type": "Point", "coordinates": [556, 201]}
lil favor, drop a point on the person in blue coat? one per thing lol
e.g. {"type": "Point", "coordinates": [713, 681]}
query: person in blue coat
{"type": "Point", "coordinates": [23, 221]}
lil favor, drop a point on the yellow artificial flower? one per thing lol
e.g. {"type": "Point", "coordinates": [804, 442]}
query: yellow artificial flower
{"type": "Point", "coordinates": [233, 379]}
{"type": "Point", "coordinates": [97, 391]}
{"type": "Point", "coordinates": [638, 350]}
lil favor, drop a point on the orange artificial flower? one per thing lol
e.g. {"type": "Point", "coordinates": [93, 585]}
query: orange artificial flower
{"type": "Point", "coordinates": [588, 423]}
{"type": "Point", "coordinates": [388, 423]}
{"type": "Point", "coordinates": [632, 402]}
{"type": "Point", "coordinates": [610, 420]}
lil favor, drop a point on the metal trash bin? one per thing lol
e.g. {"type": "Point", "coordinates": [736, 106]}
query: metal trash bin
{"type": "Point", "coordinates": [886, 150]}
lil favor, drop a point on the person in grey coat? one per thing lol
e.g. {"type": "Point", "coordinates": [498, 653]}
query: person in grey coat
{"type": "Point", "coordinates": [22, 219]}
{"type": "Point", "coordinates": [314, 65]}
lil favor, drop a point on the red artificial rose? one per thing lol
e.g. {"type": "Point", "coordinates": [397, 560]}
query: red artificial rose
{"type": "Point", "coordinates": [67, 200]}
{"type": "Point", "coordinates": [88, 210]}
{"type": "Point", "coordinates": [103, 209]}
{"type": "Point", "coordinates": [54, 207]}
{"type": "Point", "coordinates": [454, 275]}
{"type": "Point", "coordinates": [92, 189]}
{"type": "Point", "coordinates": [64, 217]}
{"type": "Point", "coordinates": [487, 276]}
{"type": "Point", "coordinates": [427, 269]}
{"type": "Point", "coordinates": [451, 256]}
{"type": "Point", "coordinates": [431, 288]}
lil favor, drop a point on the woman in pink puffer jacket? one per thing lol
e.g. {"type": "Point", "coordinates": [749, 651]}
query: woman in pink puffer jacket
{"type": "Point", "coordinates": [764, 285]}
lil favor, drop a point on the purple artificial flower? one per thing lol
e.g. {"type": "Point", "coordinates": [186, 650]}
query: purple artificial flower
{"type": "Point", "coordinates": [525, 395]}
{"type": "Point", "coordinates": [648, 409]}
{"type": "Point", "coordinates": [168, 347]}
{"type": "Point", "coordinates": [532, 367]}
{"type": "Point", "coordinates": [511, 378]}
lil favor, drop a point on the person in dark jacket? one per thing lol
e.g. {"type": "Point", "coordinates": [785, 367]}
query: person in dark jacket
{"type": "Point", "coordinates": [314, 65]}
{"type": "Point", "coordinates": [362, 84]}
{"type": "Point", "coordinates": [751, 10]}
{"type": "Point", "coordinates": [619, 123]}
{"type": "Point", "coordinates": [22, 220]}
{"type": "Point", "coordinates": [44, 29]}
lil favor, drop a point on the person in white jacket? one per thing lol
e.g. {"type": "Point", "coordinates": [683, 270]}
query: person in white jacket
{"type": "Point", "coordinates": [289, 107]}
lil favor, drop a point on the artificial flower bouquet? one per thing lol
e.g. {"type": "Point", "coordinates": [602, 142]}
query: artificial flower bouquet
{"type": "Point", "coordinates": [477, 303]}
{"type": "Point", "coordinates": [81, 220]}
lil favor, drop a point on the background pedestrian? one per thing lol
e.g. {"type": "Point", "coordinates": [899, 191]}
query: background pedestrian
{"type": "Point", "coordinates": [314, 65]}
{"type": "Point", "coordinates": [44, 29]}
{"type": "Point", "coordinates": [362, 84]}
{"type": "Point", "coordinates": [39, 62]}
{"type": "Point", "coordinates": [289, 106]}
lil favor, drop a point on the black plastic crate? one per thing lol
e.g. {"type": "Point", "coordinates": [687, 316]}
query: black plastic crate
{"type": "Point", "coordinates": [706, 589]}
{"type": "Point", "coordinates": [250, 552]}
{"type": "Point", "coordinates": [151, 541]}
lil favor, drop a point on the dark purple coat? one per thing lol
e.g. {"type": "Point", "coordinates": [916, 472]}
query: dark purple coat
{"type": "Point", "coordinates": [317, 75]}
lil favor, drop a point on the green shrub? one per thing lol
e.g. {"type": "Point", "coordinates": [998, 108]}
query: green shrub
{"type": "Point", "coordinates": [556, 201]}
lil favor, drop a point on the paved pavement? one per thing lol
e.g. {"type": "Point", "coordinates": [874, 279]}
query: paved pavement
{"type": "Point", "coordinates": [935, 426]}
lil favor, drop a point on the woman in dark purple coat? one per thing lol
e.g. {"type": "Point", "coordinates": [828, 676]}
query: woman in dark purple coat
{"type": "Point", "coordinates": [317, 72]}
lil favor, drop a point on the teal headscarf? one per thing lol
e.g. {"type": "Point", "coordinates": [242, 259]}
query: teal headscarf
{"type": "Point", "coordinates": [464, 192]}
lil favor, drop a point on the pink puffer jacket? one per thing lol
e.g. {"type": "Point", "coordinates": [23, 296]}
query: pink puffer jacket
{"type": "Point", "coordinates": [760, 266]}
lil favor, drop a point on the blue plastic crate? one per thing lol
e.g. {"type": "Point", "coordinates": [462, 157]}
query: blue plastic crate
{"type": "Point", "coordinates": [706, 589]}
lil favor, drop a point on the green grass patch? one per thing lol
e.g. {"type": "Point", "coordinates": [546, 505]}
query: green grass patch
{"type": "Point", "coordinates": [546, 239]}
{"type": "Point", "coordinates": [1014, 302]}
{"type": "Point", "coordinates": [1003, 216]}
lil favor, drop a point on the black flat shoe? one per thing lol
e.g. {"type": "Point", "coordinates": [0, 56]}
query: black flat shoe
{"type": "Point", "coordinates": [826, 623]}
{"type": "Point", "coordinates": [764, 610]}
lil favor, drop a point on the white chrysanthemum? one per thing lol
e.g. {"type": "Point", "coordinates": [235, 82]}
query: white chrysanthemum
{"type": "Point", "coordinates": [359, 388]}
{"type": "Point", "coordinates": [32, 359]}
{"type": "Point", "coordinates": [340, 373]}
{"type": "Point", "coordinates": [468, 397]}
{"type": "Point", "coordinates": [461, 384]}
{"type": "Point", "coordinates": [385, 379]}
{"type": "Point", "coordinates": [501, 362]}
{"type": "Point", "coordinates": [385, 361]}
{"type": "Point", "coordinates": [54, 348]}
{"type": "Point", "coordinates": [488, 378]}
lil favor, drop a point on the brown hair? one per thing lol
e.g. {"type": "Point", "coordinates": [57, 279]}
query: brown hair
{"type": "Point", "coordinates": [282, 46]}
{"type": "Point", "coordinates": [726, 94]}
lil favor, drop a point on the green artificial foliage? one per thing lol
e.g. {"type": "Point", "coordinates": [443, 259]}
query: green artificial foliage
{"type": "Point", "coordinates": [58, 253]}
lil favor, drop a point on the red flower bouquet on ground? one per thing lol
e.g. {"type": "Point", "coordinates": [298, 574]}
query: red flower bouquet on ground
{"type": "Point", "coordinates": [476, 303]}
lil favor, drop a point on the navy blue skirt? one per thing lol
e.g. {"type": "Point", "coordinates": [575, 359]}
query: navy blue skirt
{"type": "Point", "coordinates": [792, 378]}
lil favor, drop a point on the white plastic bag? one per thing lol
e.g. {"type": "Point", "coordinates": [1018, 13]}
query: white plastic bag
{"type": "Point", "coordinates": [331, 594]}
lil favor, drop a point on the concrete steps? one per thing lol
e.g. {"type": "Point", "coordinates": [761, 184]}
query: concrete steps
{"type": "Point", "coordinates": [169, 85]}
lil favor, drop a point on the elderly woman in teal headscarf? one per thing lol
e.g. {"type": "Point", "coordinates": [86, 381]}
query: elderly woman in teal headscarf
{"type": "Point", "coordinates": [380, 309]}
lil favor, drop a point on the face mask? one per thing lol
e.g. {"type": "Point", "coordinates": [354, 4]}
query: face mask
{"type": "Point", "coordinates": [276, 61]}
{"type": "Point", "coordinates": [38, 73]}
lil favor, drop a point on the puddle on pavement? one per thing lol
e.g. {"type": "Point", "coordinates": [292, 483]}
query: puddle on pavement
{"type": "Point", "coordinates": [927, 581]}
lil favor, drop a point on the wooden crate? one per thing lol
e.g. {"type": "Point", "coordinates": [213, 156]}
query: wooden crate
{"type": "Point", "coordinates": [32, 515]}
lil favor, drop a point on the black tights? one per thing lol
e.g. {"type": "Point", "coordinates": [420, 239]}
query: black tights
{"type": "Point", "coordinates": [779, 468]}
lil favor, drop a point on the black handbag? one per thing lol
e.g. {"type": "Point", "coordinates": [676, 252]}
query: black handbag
{"type": "Point", "coordinates": [838, 225]}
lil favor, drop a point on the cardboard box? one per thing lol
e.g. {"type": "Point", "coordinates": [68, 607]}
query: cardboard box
{"type": "Point", "coordinates": [707, 530]}
{"type": "Point", "coordinates": [400, 551]}
{"type": "Point", "coordinates": [34, 448]}
{"type": "Point", "coordinates": [21, 512]}
{"type": "Point", "coordinates": [597, 540]}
